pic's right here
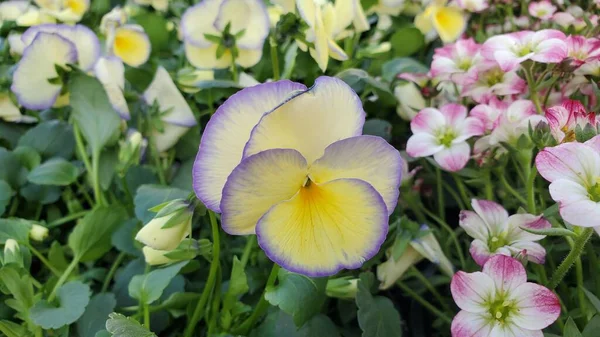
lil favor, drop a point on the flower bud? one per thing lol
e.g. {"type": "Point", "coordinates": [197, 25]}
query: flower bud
{"type": "Point", "coordinates": [343, 287]}
{"type": "Point", "coordinates": [155, 257]}
{"type": "Point", "coordinates": [410, 98]}
{"type": "Point", "coordinates": [12, 252]}
{"type": "Point", "coordinates": [131, 150]}
{"type": "Point", "coordinates": [166, 231]}
{"type": "Point", "coordinates": [38, 233]}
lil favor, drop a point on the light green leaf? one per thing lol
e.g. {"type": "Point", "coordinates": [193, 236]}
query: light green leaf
{"type": "Point", "coordinates": [121, 326]}
{"type": "Point", "coordinates": [55, 172]}
{"type": "Point", "coordinates": [551, 232]}
{"type": "Point", "coordinates": [17, 229]}
{"type": "Point", "coordinates": [238, 285]}
{"type": "Point", "coordinates": [103, 333]}
{"type": "Point", "coordinates": [6, 193]}
{"type": "Point", "coordinates": [21, 289]}
{"type": "Point", "coordinates": [148, 196]}
{"type": "Point", "coordinates": [407, 41]}
{"type": "Point", "coordinates": [50, 139]}
{"type": "Point", "coordinates": [319, 326]}
{"type": "Point", "coordinates": [11, 329]}
{"type": "Point", "coordinates": [73, 298]}
{"type": "Point", "coordinates": [91, 237]}
{"type": "Point", "coordinates": [592, 328]}
{"type": "Point", "coordinates": [377, 316]}
{"type": "Point", "coordinates": [593, 299]}
{"type": "Point", "coordinates": [289, 61]}
{"type": "Point", "coordinates": [149, 287]}
{"type": "Point", "coordinates": [571, 329]}
{"type": "Point", "coordinates": [92, 110]}
{"type": "Point", "coordinates": [95, 315]}
{"type": "Point", "coordinates": [298, 295]}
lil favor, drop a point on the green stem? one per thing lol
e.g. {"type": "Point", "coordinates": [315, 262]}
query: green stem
{"type": "Point", "coordinates": [45, 261]}
{"type": "Point", "coordinates": [511, 190]}
{"type": "Point", "coordinates": [274, 59]}
{"type": "Point", "coordinates": [430, 287]}
{"type": "Point", "coordinates": [531, 190]}
{"type": "Point", "coordinates": [489, 191]}
{"type": "Point", "coordinates": [423, 302]}
{"type": "Point", "coordinates": [447, 227]}
{"type": "Point", "coordinates": [96, 178]}
{"type": "Point", "coordinates": [210, 282]}
{"type": "Point", "coordinates": [440, 193]}
{"type": "Point", "coordinates": [14, 207]}
{"type": "Point", "coordinates": [454, 195]}
{"type": "Point", "coordinates": [532, 88]}
{"type": "Point", "coordinates": [161, 172]}
{"type": "Point", "coordinates": [261, 306]}
{"type": "Point", "coordinates": [81, 148]}
{"type": "Point", "coordinates": [462, 189]}
{"type": "Point", "coordinates": [574, 254]}
{"type": "Point", "coordinates": [112, 271]}
{"type": "Point", "coordinates": [250, 243]}
{"type": "Point", "coordinates": [234, 70]}
{"type": "Point", "coordinates": [67, 218]}
{"type": "Point", "coordinates": [212, 324]}
{"type": "Point", "coordinates": [146, 315]}
{"type": "Point", "coordinates": [64, 277]}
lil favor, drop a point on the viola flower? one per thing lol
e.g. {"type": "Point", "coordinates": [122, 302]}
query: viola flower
{"type": "Point", "coordinates": [110, 71]}
{"type": "Point", "coordinates": [573, 170]}
{"type": "Point", "coordinates": [565, 118]}
{"type": "Point", "coordinates": [492, 81]}
{"type": "Point", "coordinates": [128, 42]}
{"type": "Point", "coordinates": [497, 233]}
{"type": "Point", "coordinates": [510, 50]}
{"type": "Point", "coordinates": [176, 116]}
{"type": "Point", "coordinates": [49, 46]}
{"type": "Point", "coordinates": [289, 164]}
{"type": "Point", "coordinates": [498, 301]}
{"type": "Point", "coordinates": [448, 22]}
{"type": "Point", "coordinates": [424, 247]}
{"type": "Point", "coordinates": [387, 8]}
{"type": "Point", "coordinates": [581, 49]}
{"type": "Point", "coordinates": [456, 62]}
{"type": "Point", "coordinates": [542, 10]}
{"type": "Point", "coordinates": [12, 10]}
{"type": "Point", "coordinates": [473, 6]}
{"type": "Point", "coordinates": [444, 133]}
{"type": "Point", "coordinates": [217, 33]}
{"type": "Point", "coordinates": [9, 112]}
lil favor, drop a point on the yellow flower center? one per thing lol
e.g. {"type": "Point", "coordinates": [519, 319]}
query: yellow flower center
{"type": "Point", "coordinates": [446, 138]}
{"type": "Point", "coordinates": [501, 309]}
{"type": "Point", "coordinates": [594, 191]}
{"type": "Point", "coordinates": [76, 6]}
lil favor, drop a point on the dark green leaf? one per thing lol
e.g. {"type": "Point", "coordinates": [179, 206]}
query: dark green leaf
{"type": "Point", "coordinates": [50, 139]}
{"type": "Point", "coordinates": [155, 25]}
{"type": "Point", "coordinates": [73, 298]}
{"type": "Point", "coordinates": [148, 196]}
{"type": "Point", "coordinates": [55, 172]}
{"type": "Point", "coordinates": [392, 68]}
{"type": "Point", "coordinates": [91, 237]}
{"type": "Point", "coordinates": [95, 315]}
{"type": "Point", "coordinates": [298, 295]}
{"type": "Point", "coordinates": [276, 324]}
{"type": "Point", "coordinates": [551, 232]}
{"type": "Point", "coordinates": [6, 193]}
{"type": "Point", "coordinates": [592, 328]}
{"type": "Point", "coordinates": [11, 169]}
{"type": "Point", "coordinates": [121, 326]}
{"type": "Point", "coordinates": [407, 41]}
{"type": "Point", "coordinates": [593, 299]}
{"type": "Point", "coordinates": [107, 167]}
{"type": "Point", "coordinates": [103, 333]}
{"type": "Point", "coordinates": [319, 326]}
{"type": "Point", "coordinates": [21, 289]}
{"type": "Point", "coordinates": [45, 194]}
{"type": "Point", "coordinates": [124, 238]}
{"type": "Point", "coordinates": [377, 316]}
{"type": "Point", "coordinates": [28, 156]}
{"type": "Point", "coordinates": [17, 229]}
{"type": "Point", "coordinates": [149, 287]}
{"type": "Point", "coordinates": [179, 300]}
{"type": "Point", "coordinates": [183, 177]}
{"type": "Point", "coordinates": [571, 329]}
{"type": "Point", "coordinates": [238, 284]}
{"type": "Point", "coordinates": [378, 127]}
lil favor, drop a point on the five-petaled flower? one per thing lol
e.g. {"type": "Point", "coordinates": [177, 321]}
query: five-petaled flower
{"type": "Point", "coordinates": [497, 233]}
{"type": "Point", "coordinates": [563, 120]}
{"type": "Point", "coordinates": [289, 164]}
{"type": "Point", "coordinates": [499, 301]}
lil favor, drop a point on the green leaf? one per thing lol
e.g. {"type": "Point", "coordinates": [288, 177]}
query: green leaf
{"type": "Point", "coordinates": [377, 316]}
{"type": "Point", "coordinates": [17, 229]}
{"type": "Point", "coordinates": [551, 232]}
{"type": "Point", "coordinates": [96, 314]}
{"type": "Point", "coordinates": [592, 328]}
{"type": "Point", "coordinates": [392, 68]}
{"type": "Point", "coordinates": [571, 329]}
{"type": "Point", "coordinates": [107, 167]}
{"type": "Point", "coordinates": [319, 326]}
{"type": "Point", "coordinates": [238, 285]}
{"type": "Point", "coordinates": [276, 324]}
{"type": "Point", "coordinates": [179, 300]}
{"type": "Point", "coordinates": [148, 196]}
{"type": "Point", "coordinates": [28, 156]}
{"type": "Point", "coordinates": [92, 110]}
{"type": "Point", "coordinates": [21, 288]}
{"type": "Point", "coordinates": [55, 172]}
{"type": "Point", "coordinates": [298, 295]}
{"type": "Point", "coordinates": [103, 333]}
{"type": "Point", "coordinates": [73, 298]}
{"type": "Point", "coordinates": [155, 25]}
{"type": "Point", "coordinates": [6, 193]}
{"type": "Point", "coordinates": [11, 169]}
{"type": "Point", "coordinates": [400, 243]}
{"type": "Point", "coordinates": [44, 194]}
{"type": "Point", "coordinates": [11, 329]}
{"type": "Point", "coordinates": [378, 127]}
{"type": "Point", "coordinates": [407, 41]}
{"type": "Point", "coordinates": [50, 139]}
{"type": "Point", "coordinates": [149, 287]}
{"type": "Point", "coordinates": [90, 239]}
{"type": "Point", "coordinates": [593, 299]}
{"type": "Point", "coordinates": [289, 61]}
{"type": "Point", "coordinates": [121, 326]}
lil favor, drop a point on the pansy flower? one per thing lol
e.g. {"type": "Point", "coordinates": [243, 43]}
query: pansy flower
{"type": "Point", "coordinates": [564, 119]}
{"type": "Point", "coordinates": [438, 19]}
{"type": "Point", "coordinates": [498, 301]}
{"type": "Point", "coordinates": [497, 233]}
{"type": "Point", "coordinates": [176, 116]}
{"type": "Point", "coordinates": [110, 71]}
{"type": "Point", "coordinates": [510, 50]}
{"type": "Point", "coordinates": [128, 42]}
{"type": "Point", "coordinates": [444, 133]}
{"type": "Point", "coordinates": [542, 9]}
{"type": "Point", "coordinates": [218, 33]}
{"type": "Point", "coordinates": [35, 80]}
{"type": "Point", "coordinates": [289, 164]}
{"type": "Point", "coordinates": [573, 170]}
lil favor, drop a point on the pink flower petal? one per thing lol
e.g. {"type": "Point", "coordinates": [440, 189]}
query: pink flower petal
{"type": "Point", "coordinates": [550, 51]}
{"type": "Point", "coordinates": [454, 158]}
{"type": "Point", "coordinates": [584, 213]}
{"type": "Point", "coordinates": [427, 120]}
{"type": "Point", "coordinates": [538, 307]}
{"type": "Point", "coordinates": [480, 252]}
{"type": "Point", "coordinates": [472, 290]}
{"type": "Point", "coordinates": [467, 324]}
{"type": "Point", "coordinates": [573, 161]}
{"type": "Point", "coordinates": [507, 273]}
{"type": "Point", "coordinates": [594, 143]}
{"type": "Point", "coordinates": [493, 214]}
{"type": "Point", "coordinates": [454, 113]}
{"type": "Point", "coordinates": [473, 225]}
{"type": "Point", "coordinates": [516, 221]}
{"type": "Point", "coordinates": [423, 145]}
{"type": "Point", "coordinates": [534, 252]}
{"type": "Point", "coordinates": [511, 330]}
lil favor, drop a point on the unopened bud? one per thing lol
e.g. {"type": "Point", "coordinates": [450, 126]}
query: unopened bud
{"type": "Point", "coordinates": [167, 229]}
{"type": "Point", "coordinates": [38, 233]}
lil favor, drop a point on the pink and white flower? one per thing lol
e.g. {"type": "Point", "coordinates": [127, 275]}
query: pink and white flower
{"type": "Point", "coordinates": [456, 61]}
{"type": "Point", "coordinates": [492, 81]}
{"type": "Point", "coordinates": [573, 170]}
{"type": "Point", "coordinates": [498, 301]}
{"type": "Point", "coordinates": [474, 6]}
{"type": "Point", "coordinates": [510, 50]}
{"type": "Point", "coordinates": [497, 233]}
{"type": "Point", "coordinates": [490, 112]}
{"type": "Point", "coordinates": [564, 119]}
{"type": "Point", "coordinates": [444, 133]}
{"type": "Point", "coordinates": [542, 9]}
{"type": "Point", "coordinates": [581, 49]}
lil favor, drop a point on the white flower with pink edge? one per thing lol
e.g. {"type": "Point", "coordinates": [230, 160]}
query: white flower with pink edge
{"type": "Point", "coordinates": [456, 61]}
{"type": "Point", "coordinates": [581, 49]}
{"type": "Point", "coordinates": [510, 50]}
{"type": "Point", "coordinates": [492, 81]}
{"type": "Point", "coordinates": [499, 302]}
{"type": "Point", "coordinates": [444, 133]}
{"type": "Point", "coordinates": [542, 9]}
{"type": "Point", "coordinates": [564, 119]}
{"type": "Point", "coordinates": [494, 232]}
{"type": "Point", "coordinates": [474, 6]}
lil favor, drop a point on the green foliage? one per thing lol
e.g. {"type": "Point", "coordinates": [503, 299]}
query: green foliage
{"type": "Point", "coordinates": [121, 326]}
{"type": "Point", "coordinates": [56, 172]}
{"type": "Point", "coordinates": [73, 298]}
{"type": "Point", "coordinates": [407, 41]}
{"type": "Point", "coordinates": [11, 329]}
{"type": "Point", "coordinates": [149, 287]}
{"type": "Point", "coordinates": [96, 313]}
{"type": "Point", "coordinates": [148, 196]}
{"type": "Point", "coordinates": [6, 193]}
{"type": "Point", "coordinates": [571, 329]}
{"type": "Point", "coordinates": [377, 316]}
{"type": "Point", "coordinates": [50, 139]}
{"type": "Point", "coordinates": [17, 229]}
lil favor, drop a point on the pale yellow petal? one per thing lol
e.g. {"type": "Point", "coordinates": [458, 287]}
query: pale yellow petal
{"type": "Point", "coordinates": [132, 45]}
{"type": "Point", "coordinates": [449, 22]}
{"type": "Point", "coordinates": [206, 58]}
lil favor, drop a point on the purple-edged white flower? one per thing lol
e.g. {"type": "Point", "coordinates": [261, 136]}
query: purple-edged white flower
{"type": "Point", "coordinates": [289, 164]}
{"type": "Point", "coordinates": [573, 170]}
{"type": "Point", "coordinates": [456, 61]}
{"type": "Point", "coordinates": [498, 301]}
{"type": "Point", "coordinates": [494, 232]}
{"type": "Point", "coordinates": [178, 116]}
{"type": "Point", "coordinates": [510, 50]}
{"type": "Point", "coordinates": [542, 9]}
{"type": "Point", "coordinates": [110, 71]}
{"type": "Point", "coordinates": [444, 133]}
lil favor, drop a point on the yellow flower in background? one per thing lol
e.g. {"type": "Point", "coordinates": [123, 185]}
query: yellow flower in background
{"type": "Point", "coordinates": [448, 22]}
{"type": "Point", "coordinates": [64, 10]}
{"type": "Point", "coordinates": [128, 42]}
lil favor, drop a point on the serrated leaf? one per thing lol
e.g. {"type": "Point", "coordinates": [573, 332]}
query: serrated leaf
{"type": "Point", "coordinates": [377, 316]}
{"type": "Point", "coordinates": [95, 315]}
{"type": "Point", "coordinates": [121, 326]}
{"type": "Point", "coordinates": [11, 329]}
{"type": "Point", "coordinates": [54, 172]}
{"type": "Point", "coordinates": [593, 299]}
{"type": "Point", "coordinates": [50, 139]}
{"type": "Point", "coordinates": [148, 196]}
{"type": "Point", "coordinates": [73, 298]}
{"type": "Point", "coordinates": [319, 326]}
{"type": "Point", "coordinates": [149, 287]}
{"type": "Point", "coordinates": [298, 295]}
{"type": "Point", "coordinates": [91, 237]}
{"type": "Point", "coordinates": [238, 285]}
{"type": "Point", "coordinates": [571, 329]}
